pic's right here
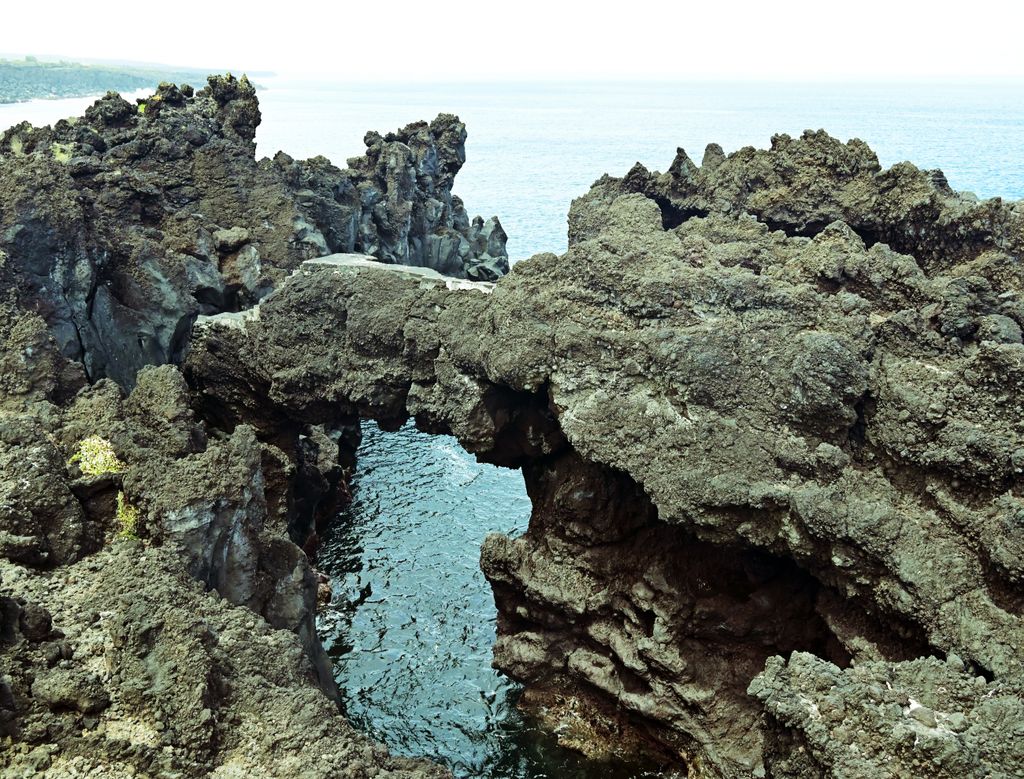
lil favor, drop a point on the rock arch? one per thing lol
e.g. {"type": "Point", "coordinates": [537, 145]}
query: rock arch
{"type": "Point", "coordinates": [710, 490]}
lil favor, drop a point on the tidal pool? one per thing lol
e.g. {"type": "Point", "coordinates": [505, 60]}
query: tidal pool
{"type": "Point", "coordinates": [412, 619]}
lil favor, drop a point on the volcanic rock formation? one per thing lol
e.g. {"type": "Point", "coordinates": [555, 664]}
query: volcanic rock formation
{"type": "Point", "coordinates": [125, 224]}
{"type": "Point", "coordinates": [768, 412]}
{"type": "Point", "coordinates": [116, 230]}
{"type": "Point", "coordinates": [776, 477]}
{"type": "Point", "coordinates": [121, 656]}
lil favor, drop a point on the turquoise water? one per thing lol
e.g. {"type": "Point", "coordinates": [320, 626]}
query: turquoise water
{"type": "Point", "coordinates": [411, 622]}
{"type": "Point", "coordinates": [411, 625]}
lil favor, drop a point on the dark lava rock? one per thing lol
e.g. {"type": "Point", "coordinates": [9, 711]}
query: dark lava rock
{"type": "Point", "coordinates": [768, 412]}
{"type": "Point", "coordinates": [186, 649]}
{"type": "Point", "coordinates": [744, 442]}
{"type": "Point", "coordinates": [169, 681]}
{"type": "Point", "coordinates": [123, 225]}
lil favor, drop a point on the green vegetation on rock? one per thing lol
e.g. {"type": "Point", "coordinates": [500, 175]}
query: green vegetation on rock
{"type": "Point", "coordinates": [96, 456]}
{"type": "Point", "coordinates": [127, 517]}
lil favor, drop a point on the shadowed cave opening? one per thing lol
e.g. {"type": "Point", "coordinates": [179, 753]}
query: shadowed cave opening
{"type": "Point", "coordinates": [672, 215]}
{"type": "Point", "coordinates": [814, 228]}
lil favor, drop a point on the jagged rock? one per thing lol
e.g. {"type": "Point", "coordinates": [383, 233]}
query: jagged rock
{"type": "Point", "coordinates": [122, 226]}
{"type": "Point", "coordinates": [410, 216]}
{"type": "Point", "coordinates": [487, 240]}
{"type": "Point", "coordinates": [230, 240]}
{"type": "Point", "coordinates": [739, 444]}
{"type": "Point", "coordinates": [61, 689]}
{"type": "Point", "coordinates": [766, 407]}
{"type": "Point", "coordinates": [802, 185]}
{"type": "Point", "coordinates": [30, 368]}
{"type": "Point", "coordinates": [41, 520]}
{"type": "Point", "coordinates": [922, 717]}
{"type": "Point", "coordinates": [191, 651]}
{"type": "Point", "coordinates": [158, 677]}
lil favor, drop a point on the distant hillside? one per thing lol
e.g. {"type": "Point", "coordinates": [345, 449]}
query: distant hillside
{"type": "Point", "coordinates": [30, 78]}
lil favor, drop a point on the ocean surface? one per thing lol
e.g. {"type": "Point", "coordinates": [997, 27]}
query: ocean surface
{"type": "Point", "coordinates": [410, 628]}
{"type": "Point", "coordinates": [412, 620]}
{"type": "Point", "coordinates": [532, 148]}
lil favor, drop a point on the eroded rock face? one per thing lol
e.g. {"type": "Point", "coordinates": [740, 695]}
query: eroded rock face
{"type": "Point", "coordinates": [222, 503]}
{"type": "Point", "coordinates": [925, 717]}
{"type": "Point", "coordinates": [189, 649]}
{"type": "Point", "coordinates": [802, 185]}
{"type": "Point", "coordinates": [740, 444]}
{"type": "Point", "coordinates": [123, 225]}
{"type": "Point", "coordinates": [122, 664]}
{"type": "Point", "coordinates": [116, 231]}
{"type": "Point", "coordinates": [775, 474]}
{"type": "Point", "coordinates": [409, 215]}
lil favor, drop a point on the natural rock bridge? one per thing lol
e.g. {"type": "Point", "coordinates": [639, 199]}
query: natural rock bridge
{"type": "Point", "coordinates": [768, 411]}
{"type": "Point", "coordinates": [727, 465]}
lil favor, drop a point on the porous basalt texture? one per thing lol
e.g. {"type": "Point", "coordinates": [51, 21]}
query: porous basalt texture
{"type": "Point", "coordinates": [768, 412]}
{"type": "Point", "coordinates": [924, 717]}
{"type": "Point", "coordinates": [123, 225]}
{"type": "Point", "coordinates": [116, 230]}
{"type": "Point", "coordinates": [122, 665]}
{"type": "Point", "coordinates": [184, 646]}
{"type": "Point", "coordinates": [741, 444]}
{"type": "Point", "coordinates": [802, 185]}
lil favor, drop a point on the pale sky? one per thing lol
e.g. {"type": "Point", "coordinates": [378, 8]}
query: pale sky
{"type": "Point", "coordinates": [538, 39]}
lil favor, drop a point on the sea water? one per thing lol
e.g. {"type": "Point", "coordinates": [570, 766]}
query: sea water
{"type": "Point", "coordinates": [411, 622]}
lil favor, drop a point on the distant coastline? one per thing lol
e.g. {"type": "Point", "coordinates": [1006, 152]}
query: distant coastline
{"type": "Point", "coordinates": [33, 79]}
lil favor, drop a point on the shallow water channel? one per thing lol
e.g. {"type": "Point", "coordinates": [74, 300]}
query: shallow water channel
{"type": "Point", "coordinates": [411, 623]}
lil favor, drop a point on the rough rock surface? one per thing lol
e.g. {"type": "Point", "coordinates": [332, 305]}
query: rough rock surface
{"type": "Point", "coordinates": [802, 185]}
{"type": "Point", "coordinates": [741, 444]}
{"type": "Point", "coordinates": [117, 230]}
{"type": "Point", "coordinates": [123, 656]}
{"type": "Point", "coordinates": [122, 665]}
{"type": "Point", "coordinates": [123, 225]}
{"type": "Point", "coordinates": [768, 411]}
{"type": "Point", "coordinates": [924, 717]}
